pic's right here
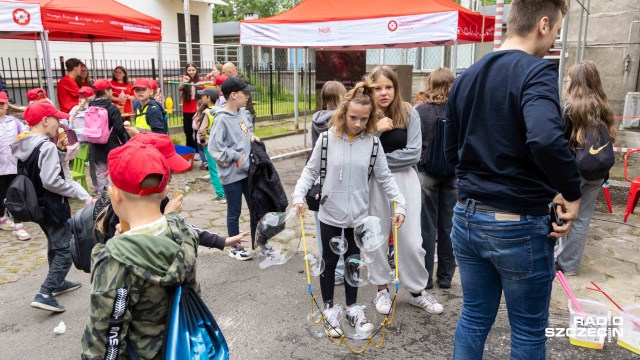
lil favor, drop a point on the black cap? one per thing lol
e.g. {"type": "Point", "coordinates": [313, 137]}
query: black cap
{"type": "Point", "coordinates": [210, 92]}
{"type": "Point", "coordinates": [235, 84]}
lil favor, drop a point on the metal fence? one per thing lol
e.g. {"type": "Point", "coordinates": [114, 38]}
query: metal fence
{"type": "Point", "coordinates": [273, 97]}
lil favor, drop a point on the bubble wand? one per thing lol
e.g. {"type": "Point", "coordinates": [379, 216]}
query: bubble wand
{"type": "Point", "coordinates": [343, 339]}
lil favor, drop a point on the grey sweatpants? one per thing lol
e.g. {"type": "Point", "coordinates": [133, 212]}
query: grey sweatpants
{"type": "Point", "coordinates": [413, 274]}
{"type": "Point", "coordinates": [573, 244]}
{"type": "Point", "coordinates": [103, 179]}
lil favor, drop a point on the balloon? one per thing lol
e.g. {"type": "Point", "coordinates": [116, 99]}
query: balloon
{"type": "Point", "coordinates": [360, 321]}
{"type": "Point", "coordinates": [338, 245]}
{"type": "Point", "coordinates": [316, 264]}
{"type": "Point", "coordinates": [277, 238]}
{"type": "Point", "coordinates": [368, 234]}
{"type": "Point", "coordinates": [356, 272]}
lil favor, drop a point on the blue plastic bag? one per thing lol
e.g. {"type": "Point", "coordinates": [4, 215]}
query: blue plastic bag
{"type": "Point", "coordinates": [192, 332]}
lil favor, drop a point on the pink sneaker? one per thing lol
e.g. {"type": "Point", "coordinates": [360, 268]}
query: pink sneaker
{"type": "Point", "coordinates": [21, 233]}
{"type": "Point", "coordinates": [6, 224]}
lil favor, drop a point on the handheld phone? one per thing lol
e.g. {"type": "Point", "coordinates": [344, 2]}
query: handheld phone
{"type": "Point", "coordinates": [553, 213]}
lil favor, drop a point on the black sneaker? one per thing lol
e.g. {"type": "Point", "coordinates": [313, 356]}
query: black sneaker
{"type": "Point", "coordinates": [443, 284]}
{"type": "Point", "coordinates": [49, 304]}
{"type": "Point", "coordinates": [66, 287]}
{"type": "Point", "coordinates": [429, 284]}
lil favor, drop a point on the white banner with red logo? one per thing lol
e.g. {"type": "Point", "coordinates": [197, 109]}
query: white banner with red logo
{"type": "Point", "coordinates": [20, 17]}
{"type": "Point", "coordinates": [410, 30]}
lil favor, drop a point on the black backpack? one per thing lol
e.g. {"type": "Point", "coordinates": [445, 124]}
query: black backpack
{"type": "Point", "coordinates": [22, 199]}
{"type": "Point", "coordinates": [596, 158]}
{"type": "Point", "coordinates": [436, 164]}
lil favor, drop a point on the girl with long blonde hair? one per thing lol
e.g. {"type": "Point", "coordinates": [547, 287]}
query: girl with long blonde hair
{"type": "Point", "coordinates": [586, 113]}
{"type": "Point", "coordinates": [401, 138]}
{"type": "Point", "coordinates": [345, 192]}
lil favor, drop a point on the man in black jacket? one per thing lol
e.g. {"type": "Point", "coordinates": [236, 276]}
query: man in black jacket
{"type": "Point", "coordinates": [503, 131]}
{"type": "Point", "coordinates": [265, 189]}
{"type": "Point", "coordinates": [99, 152]}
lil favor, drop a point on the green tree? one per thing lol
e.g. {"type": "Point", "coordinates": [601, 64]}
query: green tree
{"type": "Point", "coordinates": [237, 8]}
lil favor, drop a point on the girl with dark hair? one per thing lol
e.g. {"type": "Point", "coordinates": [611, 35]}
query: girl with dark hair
{"type": "Point", "coordinates": [122, 95]}
{"type": "Point", "coordinates": [346, 198]}
{"type": "Point", "coordinates": [189, 102]}
{"type": "Point", "coordinates": [585, 114]}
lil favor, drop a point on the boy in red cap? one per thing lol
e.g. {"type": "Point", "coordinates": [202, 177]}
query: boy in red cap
{"type": "Point", "coordinates": [10, 127]}
{"type": "Point", "coordinates": [40, 160]}
{"type": "Point", "coordinates": [98, 152]}
{"type": "Point", "coordinates": [164, 144]}
{"type": "Point", "coordinates": [133, 272]}
{"type": "Point", "coordinates": [150, 116]}
{"type": "Point", "coordinates": [37, 94]}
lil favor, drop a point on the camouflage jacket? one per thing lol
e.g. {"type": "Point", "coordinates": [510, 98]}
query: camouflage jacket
{"type": "Point", "coordinates": [249, 105]}
{"type": "Point", "coordinates": [131, 277]}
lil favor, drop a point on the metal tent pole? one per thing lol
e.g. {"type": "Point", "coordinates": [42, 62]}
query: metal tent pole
{"type": "Point", "coordinates": [304, 82]}
{"type": "Point", "coordinates": [586, 28]}
{"type": "Point", "coordinates": [563, 53]}
{"type": "Point", "coordinates": [44, 38]}
{"type": "Point", "coordinates": [93, 58]}
{"type": "Point", "coordinates": [161, 70]}
{"type": "Point", "coordinates": [187, 29]}
{"type": "Point", "coordinates": [579, 34]}
{"type": "Point", "coordinates": [454, 55]}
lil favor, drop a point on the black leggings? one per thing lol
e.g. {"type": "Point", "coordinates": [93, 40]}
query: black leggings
{"type": "Point", "coordinates": [187, 126]}
{"type": "Point", "coordinates": [327, 279]}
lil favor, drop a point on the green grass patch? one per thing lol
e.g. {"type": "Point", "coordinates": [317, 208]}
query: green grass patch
{"type": "Point", "coordinates": [271, 130]}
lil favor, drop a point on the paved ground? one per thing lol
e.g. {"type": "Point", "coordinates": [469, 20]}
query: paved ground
{"type": "Point", "coordinates": [263, 313]}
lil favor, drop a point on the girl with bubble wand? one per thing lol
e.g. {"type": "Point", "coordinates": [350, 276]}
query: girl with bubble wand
{"type": "Point", "coordinates": [344, 197]}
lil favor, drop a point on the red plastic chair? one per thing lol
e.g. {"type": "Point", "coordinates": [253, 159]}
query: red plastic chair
{"type": "Point", "coordinates": [607, 197]}
{"type": "Point", "coordinates": [634, 192]}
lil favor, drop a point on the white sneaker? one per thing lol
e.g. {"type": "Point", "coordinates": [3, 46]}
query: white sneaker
{"type": "Point", "coordinates": [383, 302]}
{"type": "Point", "coordinates": [355, 316]}
{"type": "Point", "coordinates": [333, 324]}
{"type": "Point", "coordinates": [241, 254]}
{"type": "Point", "coordinates": [427, 302]}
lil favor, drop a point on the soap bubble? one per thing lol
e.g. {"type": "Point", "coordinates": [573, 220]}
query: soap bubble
{"type": "Point", "coordinates": [338, 245]}
{"type": "Point", "coordinates": [360, 321]}
{"type": "Point", "coordinates": [368, 234]}
{"type": "Point", "coordinates": [367, 257]}
{"type": "Point", "coordinates": [392, 276]}
{"type": "Point", "coordinates": [277, 238]}
{"type": "Point", "coordinates": [316, 324]}
{"type": "Point", "coordinates": [316, 264]}
{"type": "Point", "coordinates": [356, 272]}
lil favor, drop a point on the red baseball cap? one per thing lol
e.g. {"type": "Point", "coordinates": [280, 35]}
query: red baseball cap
{"type": "Point", "coordinates": [131, 163]}
{"type": "Point", "coordinates": [164, 144]}
{"type": "Point", "coordinates": [220, 79]}
{"type": "Point", "coordinates": [38, 111]}
{"type": "Point", "coordinates": [36, 94]}
{"type": "Point", "coordinates": [154, 84]}
{"type": "Point", "coordinates": [102, 84]}
{"type": "Point", "coordinates": [86, 91]}
{"type": "Point", "coordinates": [141, 83]}
{"type": "Point", "coordinates": [3, 97]}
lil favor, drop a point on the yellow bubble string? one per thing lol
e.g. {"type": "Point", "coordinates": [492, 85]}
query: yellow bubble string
{"type": "Point", "coordinates": [388, 320]}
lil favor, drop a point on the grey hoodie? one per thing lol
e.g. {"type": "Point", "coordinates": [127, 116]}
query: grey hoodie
{"type": "Point", "coordinates": [320, 124]}
{"type": "Point", "coordinates": [48, 162]}
{"type": "Point", "coordinates": [346, 184]}
{"type": "Point", "coordinates": [231, 137]}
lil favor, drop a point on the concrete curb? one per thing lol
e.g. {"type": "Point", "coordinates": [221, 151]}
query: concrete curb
{"type": "Point", "coordinates": [290, 155]}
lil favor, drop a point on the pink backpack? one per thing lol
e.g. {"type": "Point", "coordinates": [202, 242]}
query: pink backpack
{"type": "Point", "coordinates": [96, 125]}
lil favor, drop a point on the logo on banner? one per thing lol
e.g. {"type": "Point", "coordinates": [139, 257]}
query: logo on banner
{"type": "Point", "coordinates": [392, 26]}
{"type": "Point", "coordinates": [21, 17]}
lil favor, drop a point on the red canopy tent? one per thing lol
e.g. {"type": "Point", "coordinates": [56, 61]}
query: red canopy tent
{"type": "Point", "coordinates": [95, 20]}
{"type": "Point", "coordinates": [81, 20]}
{"type": "Point", "coordinates": [361, 24]}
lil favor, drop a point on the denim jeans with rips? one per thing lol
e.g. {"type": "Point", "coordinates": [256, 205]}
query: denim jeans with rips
{"type": "Point", "coordinates": [496, 253]}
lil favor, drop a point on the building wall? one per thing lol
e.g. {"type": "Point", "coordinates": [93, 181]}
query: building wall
{"type": "Point", "coordinates": [165, 10]}
{"type": "Point", "coordinates": [613, 43]}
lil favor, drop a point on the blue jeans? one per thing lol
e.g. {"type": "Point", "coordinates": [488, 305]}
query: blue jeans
{"type": "Point", "coordinates": [233, 192]}
{"type": "Point", "coordinates": [201, 151]}
{"type": "Point", "coordinates": [514, 255]}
